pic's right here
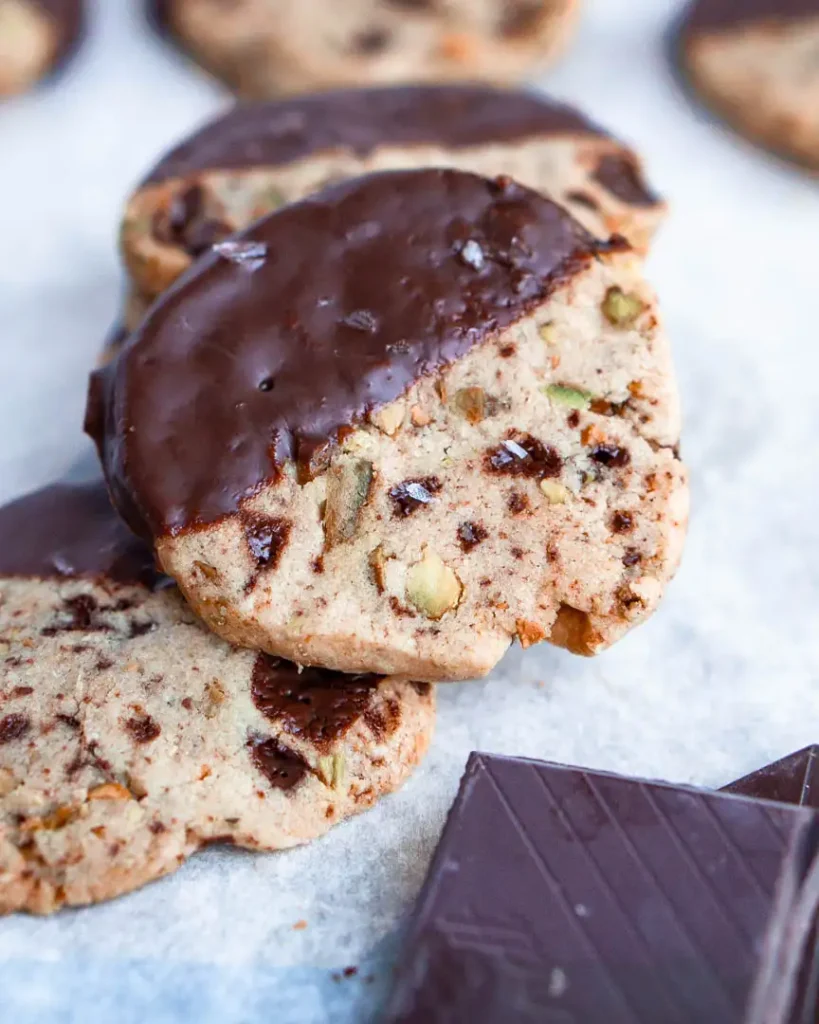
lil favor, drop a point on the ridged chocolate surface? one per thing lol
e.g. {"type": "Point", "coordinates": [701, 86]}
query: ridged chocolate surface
{"type": "Point", "coordinates": [571, 896]}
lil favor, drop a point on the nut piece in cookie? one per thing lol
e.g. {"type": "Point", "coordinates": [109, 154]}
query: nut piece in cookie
{"type": "Point", "coordinates": [262, 50]}
{"type": "Point", "coordinates": [130, 736]}
{"type": "Point", "coordinates": [258, 157]}
{"type": "Point", "coordinates": [754, 63]}
{"type": "Point", "coordinates": [36, 37]}
{"type": "Point", "coordinates": [435, 534]}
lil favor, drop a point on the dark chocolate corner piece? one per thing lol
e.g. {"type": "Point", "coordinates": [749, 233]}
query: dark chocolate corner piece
{"type": "Point", "coordinates": [564, 896]}
{"type": "Point", "coordinates": [792, 780]}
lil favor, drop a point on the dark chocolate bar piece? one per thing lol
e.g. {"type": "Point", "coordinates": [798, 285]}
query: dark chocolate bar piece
{"type": "Point", "coordinates": [792, 780]}
{"type": "Point", "coordinates": [565, 896]}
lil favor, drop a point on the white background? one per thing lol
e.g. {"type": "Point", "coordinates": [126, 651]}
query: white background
{"type": "Point", "coordinates": [723, 679]}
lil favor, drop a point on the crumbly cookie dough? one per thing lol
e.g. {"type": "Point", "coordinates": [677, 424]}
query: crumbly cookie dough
{"type": "Point", "coordinates": [36, 36]}
{"type": "Point", "coordinates": [264, 48]}
{"type": "Point", "coordinates": [130, 736]}
{"type": "Point", "coordinates": [257, 158]}
{"type": "Point", "coordinates": [398, 424]}
{"type": "Point", "coordinates": [754, 62]}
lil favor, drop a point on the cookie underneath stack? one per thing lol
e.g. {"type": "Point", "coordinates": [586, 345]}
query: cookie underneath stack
{"type": "Point", "coordinates": [130, 736]}
{"type": "Point", "coordinates": [259, 157]}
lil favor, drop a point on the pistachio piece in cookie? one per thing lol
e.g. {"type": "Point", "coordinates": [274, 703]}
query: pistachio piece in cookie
{"type": "Point", "coordinates": [130, 736]}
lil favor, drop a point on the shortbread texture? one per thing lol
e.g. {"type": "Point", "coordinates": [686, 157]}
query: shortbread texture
{"type": "Point", "coordinates": [404, 455]}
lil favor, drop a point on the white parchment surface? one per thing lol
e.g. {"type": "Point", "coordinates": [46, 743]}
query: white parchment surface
{"type": "Point", "coordinates": [722, 680]}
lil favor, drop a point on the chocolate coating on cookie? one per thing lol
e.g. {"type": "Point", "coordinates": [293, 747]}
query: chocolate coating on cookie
{"type": "Point", "coordinates": [722, 14]}
{"type": "Point", "coordinates": [313, 703]}
{"type": "Point", "coordinates": [316, 315]}
{"type": "Point", "coordinates": [70, 531]}
{"type": "Point", "coordinates": [620, 174]}
{"type": "Point", "coordinates": [456, 116]}
{"type": "Point", "coordinates": [69, 18]}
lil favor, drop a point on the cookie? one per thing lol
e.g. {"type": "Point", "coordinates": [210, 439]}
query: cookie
{"type": "Point", "coordinates": [259, 157]}
{"type": "Point", "coordinates": [130, 736]}
{"type": "Point", "coordinates": [262, 49]}
{"type": "Point", "coordinates": [754, 63]}
{"type": "Point", "coordinates": [399, 423]}
{"type": "Point", "coordinates": [36, 37]}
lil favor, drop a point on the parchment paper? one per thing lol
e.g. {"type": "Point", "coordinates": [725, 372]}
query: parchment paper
{"type": "Point", "coordinates": [723, 679]}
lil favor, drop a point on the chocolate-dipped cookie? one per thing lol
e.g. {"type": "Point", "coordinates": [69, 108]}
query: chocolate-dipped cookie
{"type": "Point", "coordinates": [754, 62]}
{"type": "Point", "coordinates": [36, 37]}
{"type": "Point", "coordinates": [262, 49]}
{"type": "Point", "coordinates": [130, 736]}
{"type": "Point", "coordinates": [399, 423]}
{"type": "Point", "coordinates": [259, 157]}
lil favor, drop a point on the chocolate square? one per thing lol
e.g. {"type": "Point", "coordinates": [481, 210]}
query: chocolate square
{"type": "Point", "coordinates": [567, 896]}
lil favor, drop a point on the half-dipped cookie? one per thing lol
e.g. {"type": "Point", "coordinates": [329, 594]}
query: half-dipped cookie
{"type": "Point", "coordinates": [130, 736]}
{"type": "Point", "coordinates": [400, 423]}
{"type": "Point", "coordinates": [259, 157]}
{"type": "Point", "coordinates": [755, 63]}
{"type": "Point", "coordinates": [36, 37]}
{"type": "Point", "coordinates": [263, 48]}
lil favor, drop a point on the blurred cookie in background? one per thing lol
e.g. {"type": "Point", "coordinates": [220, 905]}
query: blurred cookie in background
{"type": "Point", "coordinates": [36, 37]}
{"type": "Point", "coordinates": [756, 63]}
{"type": "Point", "coordinates": [262, 156]}
{"type": "Point", "coordinates": [264, 48]}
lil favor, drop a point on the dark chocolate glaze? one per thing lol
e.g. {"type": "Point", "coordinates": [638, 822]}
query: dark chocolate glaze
{"type": "Point", "coordinates": [720, 14]}
{"type": "Point", "coordinates": [361, 120]}
{"type": "Point", "coordinates": [69, 17]}
{"type": "Point", "coordinates": [314, 703]}
{"type": "Point", "coordinates": [69, 531]}
{"type": "Point", "coordinates": [620, 174]}
{"type": "Point", "coordinates": [364, 289]}
{"type": "Point", "coordinates": [792, 780]}
{"type": "Point", "coordinates": [559, 894]}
